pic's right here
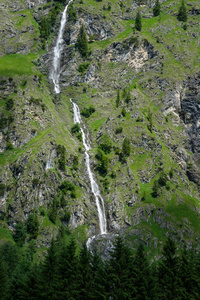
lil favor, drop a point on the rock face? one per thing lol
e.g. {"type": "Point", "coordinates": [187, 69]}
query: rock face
{"type": "Point", "coordinates": [148, 192]}
{"type": "Point", "coordinates": [18, 29]}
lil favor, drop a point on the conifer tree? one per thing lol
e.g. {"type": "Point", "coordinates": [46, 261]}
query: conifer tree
{"type": "Point", "coordinates": [138, 22]}
{"type": "Point", "coordinates": [156, 9]}
{"type": "Point", "coordinates": [120, 267]}
{"type": "Point", "coordinates": [3, 281]}
{"type": "Point", "coordinates": [126, 147]}
{"type": "Point", "coordinates": [118, 98]}
{"type": "Point", "coordinates": [82, 42]}
{"type": "Point", "coordinates": [168, 271]}
{"type": "Point", "coordinates": [182, 14]}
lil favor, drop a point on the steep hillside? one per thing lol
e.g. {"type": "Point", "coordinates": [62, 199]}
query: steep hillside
{"type": "Point", "coordinates": [143, 87]}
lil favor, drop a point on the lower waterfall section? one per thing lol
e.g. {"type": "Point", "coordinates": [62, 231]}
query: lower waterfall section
{"type": "Point", "coordinates": [94, 185]}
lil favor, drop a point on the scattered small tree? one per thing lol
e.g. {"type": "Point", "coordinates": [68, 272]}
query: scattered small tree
{"type": "Point", "coordinates": [138, 22]}
{"type": "Point", "coordinates": [126, 147]}
{"type": "Point", "coordinates": [118, 98]}
{"type": "Point", "coordinates": [82, 43]}
{"type": "Point", "coordinates": [182, 14]}
{"type": "Point", "coordinates": [156, 9]}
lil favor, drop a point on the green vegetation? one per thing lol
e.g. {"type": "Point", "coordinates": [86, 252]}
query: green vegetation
{"type": "Point", "coordinates": [82, 43]}
{"type": "Point", "coordinates": [138, 22]}
{"type": "Point", "coordinates": [182, 14]}
{"type": "Point", "coordinates": [83, 67]}
{"type": "Point", "coordinates": [87, 112]}
{"type": "Point", "coordinates": [156, 9]}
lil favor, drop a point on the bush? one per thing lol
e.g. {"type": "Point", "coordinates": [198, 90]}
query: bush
{"type": "Point", "coordinates": [9, 104]}
{"type": "Point", "coordinates": [105, 143]}
{"type": "Point", "coordinates": [162, 179]}
{"type": "Point", "coordinates": [9, 146]}
{"type": "Point", "coordinates": [123, 112]}
{"type": "Point", "coordinates": [61, 153]}
{"type": "Point", "coordinates": [86, 112]}
{"type": "Point", "coordinates": [75, 128]}
{"type": "Point", "coordinates": [67, 186]}
{"type": "Point", "coordinates": [2, 189]}
{"type": "Point", "coordinates": [83, 67]}
{"type": "Point", "coordinates": [35, 182]}
{"type": "Point", "coordinates": [155, 188]}
{"type": "Point", "coordinates": [126, 147]}
{"type": "Point", "coordinates": [118, 130]}
{"type": "Point", "coordinates": [66, 216]}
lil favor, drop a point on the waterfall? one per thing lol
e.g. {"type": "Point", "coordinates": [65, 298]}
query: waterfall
{"type": "Point", "coordinates": [94, 185]}
{"type": "Point", "coordinates": [57, 52]}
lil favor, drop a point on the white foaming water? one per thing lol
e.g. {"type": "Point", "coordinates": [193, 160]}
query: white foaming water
{"type": "Point", "coordinates": [57, 51]}
{"type": "Point", "coordinates": [94, 185]}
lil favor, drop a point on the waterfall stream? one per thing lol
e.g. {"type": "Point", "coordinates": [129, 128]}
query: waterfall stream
{"type": "Point", "coordinates": [94, 185]}
{"type": "Point", "coordinates": [57, 51]}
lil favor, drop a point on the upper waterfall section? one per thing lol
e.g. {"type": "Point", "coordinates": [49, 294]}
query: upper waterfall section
{"type": "Point", "coordinates": [57, 51]}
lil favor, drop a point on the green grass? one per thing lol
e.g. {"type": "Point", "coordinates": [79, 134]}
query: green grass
{"type": "Point", "coordinates": [17, 64]}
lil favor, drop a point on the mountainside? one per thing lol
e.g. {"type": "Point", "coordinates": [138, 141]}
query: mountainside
{"type": "Point", "coordinates": [138, 93]}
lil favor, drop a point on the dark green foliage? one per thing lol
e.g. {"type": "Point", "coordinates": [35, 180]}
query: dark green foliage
{"type": "Point", "coordinates": [77, 131]}
{"type": "Point", "coordinates": [72, 14]}
{"type": "Point", "coordinates": [162, 179]}
{"type": "Point", "coordinates": [75, 162]}
{"type": "Point", "coordinates": [66, 216]}
{"type": "Point", "coordinates": [138, 22]}
{"type": "Point", "coordinates": [182, 13]}
{"type": "Point", "coordinates": [3, 280]}
{"type": "Point", "coordinates": [123, 112]}
{"type": "Point", "coordinates": [103, 162]}
{"type": "Point", "coordinates": [32, 225]}
{"type": "Point", "coordinates": [9, 104]}
{"type": "Point", "coordinates": [86, 112]}
{"type": "Point", "coordinates": [185, 26]}
{"type": "Point", "coordinates": [82, 43]}
{"type": "Point", "coordinates": [105, 143]}
{"type": "Point", "coordinates": [156, 9]}
{"type": "Point", "coordinates": [126, 95]}
{"type": "Point", "coordinates": [118, 98]}
{"type": "Point", "coordinates": [20, 234]}
{"type": "Point", "coordinates": [61, 153]}
{"type": "Point", "coordinates": [9, 146]}
{"type": "Point", "coordinates": [35, 182]}
{"type": "Point", "coordinates": [150, 119]}
{"type": "Point", "coordinates": [23, 83]}
{"type": "Point", "coordinates": [67, 186]}
{"type": "Point", "coordinates": [53, 213]}
{"type": "Point", "coordinates": [126, 147]}
{"type": "Point", "coordinates": [83, 67]}
{"type": "Point", "coordinates": [155, 188]}
{"type": "Point", "coordinates": [118, 130]}
{"type": "Point", "coordinates": [2, 189]}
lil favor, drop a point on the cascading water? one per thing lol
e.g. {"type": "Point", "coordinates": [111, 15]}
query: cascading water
{"type": "Point", "coordinates": [57, 52]}
{"type": "Point", "coordinates": [94, 185]}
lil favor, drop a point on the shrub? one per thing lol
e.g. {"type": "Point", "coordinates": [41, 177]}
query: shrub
{"type": "Point", "coordinates": [35, 182]}
{"type": "Point", "coordinates": [155, 188]}
{"type": "Point", "coordinates": [118, 130]}
{"type": "Point", "coordinates": [9, 146]}
{"type": "Point", "coordinates": [75, 128]}
{"type": "Point", "coordinates": [61, 153]}
{"type": "Point", "coordinates": [9, 104]}
{"type": "Point", "coordinates": [83, 67]}
{"type": "Point", "coordinates": [67, 186]}
{"type": "Point", "coordinates": [118, 98]}
{"type": "Point", "coordinates": [162, 179]}
{"type": "Point", "coordinates": [123, 112]}
{"type": "Point", "coordinates": [86, 112]}
{"type": "Point", "coordinates": [126, 147]}
{"type": "Point", "coordinates": [2, 189]}
{"type": "Point", "coordinates": [66, 216]}
{"type": "Point", "coordinates": [105, 143]}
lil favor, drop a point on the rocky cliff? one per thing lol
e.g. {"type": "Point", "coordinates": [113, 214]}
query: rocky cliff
{"type": "Point", "coordinates": [150, 193]}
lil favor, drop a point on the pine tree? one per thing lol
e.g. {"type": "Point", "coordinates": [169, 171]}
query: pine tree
{"type": "Point", "coordinates": [142, 286]}
{"type": "Point", "coordinates": [85, 279]}
{"type": "Point", "coordinates": [118, 98]}
{"type": "Point", "coordinates": [182, 14]}
{"type": "Point", "coordinates": [3, 281]}
{"type": "Point", "coordinates": [120, 267]}
{"type": "Point", "coordinates": [138, 22]}
{"type": "Point", "coordinates": [156, 9]}
{"type": "Point", "coordinates": [168, 271]}
{"type": "Point", "coordinates": [82, 42]}
{"type": "Point", "coordinates": [126, 147]}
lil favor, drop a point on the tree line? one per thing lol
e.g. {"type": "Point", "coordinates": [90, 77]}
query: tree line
{"type": "Point", "coordinates": [71, 272]}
